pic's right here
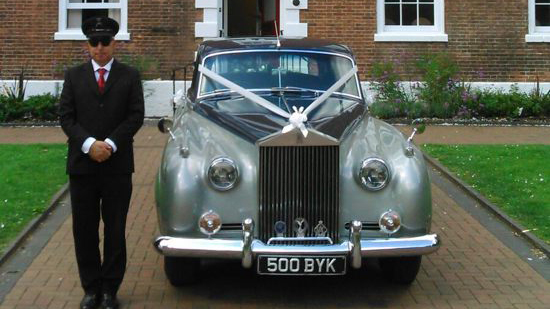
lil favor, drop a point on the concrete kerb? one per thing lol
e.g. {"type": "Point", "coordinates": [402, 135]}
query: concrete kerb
{"type": "Point", "coordinates": [516, 227]}
{"type": "Point", "coordinates": [149, 121]}
{"type": "Point", "coordinates": [33, 224]}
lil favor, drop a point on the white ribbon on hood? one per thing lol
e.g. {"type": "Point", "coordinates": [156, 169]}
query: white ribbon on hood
{"type": "Point", "coordinates": [299, 116]}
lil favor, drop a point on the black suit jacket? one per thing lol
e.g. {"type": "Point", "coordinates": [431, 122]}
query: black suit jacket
{"type": "Point", "coordinates": [116, 114]}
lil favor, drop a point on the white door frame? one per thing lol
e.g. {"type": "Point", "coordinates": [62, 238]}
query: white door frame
{"type": "Point", "coordinates": [214, 24]}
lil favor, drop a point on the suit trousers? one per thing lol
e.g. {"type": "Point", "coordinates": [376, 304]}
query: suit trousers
{"type": "Point", "coordinates": [106, 197]}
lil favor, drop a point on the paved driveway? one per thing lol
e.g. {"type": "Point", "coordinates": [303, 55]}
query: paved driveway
{"type": "Point", "coordinates": [473, 269]}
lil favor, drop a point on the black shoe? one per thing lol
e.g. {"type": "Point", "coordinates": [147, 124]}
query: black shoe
{"type": "Point", "coordinates": [109, 301]}
{"type": "Point", "coordinates": [89, 301]}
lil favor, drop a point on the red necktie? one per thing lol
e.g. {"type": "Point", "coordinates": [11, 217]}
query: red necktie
{"type": "Point", "coordinates": [101, 80]}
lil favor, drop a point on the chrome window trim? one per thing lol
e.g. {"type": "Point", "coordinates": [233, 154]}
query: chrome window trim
{"type": "Point", "coordinates": [206, 96]}
{"type": "Point", "coordinates": [199, 96]}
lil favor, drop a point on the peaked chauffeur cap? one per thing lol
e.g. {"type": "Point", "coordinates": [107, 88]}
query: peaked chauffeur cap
{"type": "Point", "coordinates": [100, 26]}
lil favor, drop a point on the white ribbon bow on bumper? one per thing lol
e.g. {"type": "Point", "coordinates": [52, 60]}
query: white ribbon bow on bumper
{"type": "Point", "coordinates": [299, 117]}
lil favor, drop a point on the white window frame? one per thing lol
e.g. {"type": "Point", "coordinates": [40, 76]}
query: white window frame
{"type": "Point", "coordinates": [435, 33]}
{"type": "Point", "coordinates": [536, 33]}
{"type": "Point", "coordinates": [65, 33]}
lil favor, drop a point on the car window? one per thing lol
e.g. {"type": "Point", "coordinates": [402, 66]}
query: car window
{"type": "Point", "coordinates": [265, 70]}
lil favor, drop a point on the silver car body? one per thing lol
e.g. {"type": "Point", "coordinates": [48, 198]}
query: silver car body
{"type": "Point", "coordinates": [184, 192]}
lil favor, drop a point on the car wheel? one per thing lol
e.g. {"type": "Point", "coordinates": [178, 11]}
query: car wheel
{"type": "Point", "coordinates": [180, 270]}
{"type": "Point", "coordinates": [402, 270]}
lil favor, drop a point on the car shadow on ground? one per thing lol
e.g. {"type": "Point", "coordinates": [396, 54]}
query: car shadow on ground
{"type": "Point", "coordinates": [226, 282]}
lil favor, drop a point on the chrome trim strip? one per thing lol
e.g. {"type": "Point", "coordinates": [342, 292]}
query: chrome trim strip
{"type": "Point", "coordinates": [206, 96]}
{"type": "Point", "coordinates": [264, 50]}
{"type": "Point", "coordinates": [299, 239]}
{"type": "Point", "coordinates": [236, 249]}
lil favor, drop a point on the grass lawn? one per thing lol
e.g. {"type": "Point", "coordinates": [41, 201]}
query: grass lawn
{"type": "Point", "coordinates": [30, 176]}
{"type": "Point", "coordinates": [514, 177]}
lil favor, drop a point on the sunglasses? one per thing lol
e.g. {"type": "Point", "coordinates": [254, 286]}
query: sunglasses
{"type": "Point", "coordinates": [104, 39]}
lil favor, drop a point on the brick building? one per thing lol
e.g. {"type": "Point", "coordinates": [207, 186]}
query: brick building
{"type": "Point", "coordinates": [492, 40]}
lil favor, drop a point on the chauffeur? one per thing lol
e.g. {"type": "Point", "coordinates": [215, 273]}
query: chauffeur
{"type": "Point", "coordinates": [101, 110]}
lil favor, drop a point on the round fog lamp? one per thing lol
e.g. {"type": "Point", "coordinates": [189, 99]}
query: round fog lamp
{"type": "Point", "coordinates": [223, 174]}
{"type": "Point", "coordinates": [390, 222]}
{"type": "Point", "coordinates": [210, 223]}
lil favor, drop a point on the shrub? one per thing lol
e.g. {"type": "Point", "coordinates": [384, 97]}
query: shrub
{"type": "Point", "coordinates": [42, 106]}
{"type": "Point", "coordinates": [39, 107]}
{"type": "Point", "coordinates": [439, 92]}
{"type": "Point", "coordinates": [3, 100]}
{"type": "Point", "coordinates": [10, 108]}
{"type": "Point", "coordinates": [541, 101]}
{"type": "Point", "coordinates": [391, 100]}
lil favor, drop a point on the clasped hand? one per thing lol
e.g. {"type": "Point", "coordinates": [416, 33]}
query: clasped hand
{"type": "Point", "coordinates": [100, 151]}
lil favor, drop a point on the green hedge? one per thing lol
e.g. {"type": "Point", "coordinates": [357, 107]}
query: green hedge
{"type": "Point", "coordinates": [441, 94]}
{"type": "Point", "coordinates": [37, 107]}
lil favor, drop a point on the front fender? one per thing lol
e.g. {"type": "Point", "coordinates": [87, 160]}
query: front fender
{"type": "Point", "coordinates": [409, 190]}
{"type": "Point", "coordinates": [183, 192]}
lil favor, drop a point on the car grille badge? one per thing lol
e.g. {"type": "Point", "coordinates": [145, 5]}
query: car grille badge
{"type": "Point", "coordinates": [280, 228]}
{"type": "Point", "coordinates": [300, 227]}
{"type": "Point", "coordinates": [320, 229]}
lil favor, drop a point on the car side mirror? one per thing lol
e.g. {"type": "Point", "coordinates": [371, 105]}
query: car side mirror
{"type": "Point", "coordinates": [165, 126]}
{"type": "Point", "coordinates": [419, 127]}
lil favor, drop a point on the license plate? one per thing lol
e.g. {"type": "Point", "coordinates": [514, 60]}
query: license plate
{"type": "Point", "coordinates": [301, 265]}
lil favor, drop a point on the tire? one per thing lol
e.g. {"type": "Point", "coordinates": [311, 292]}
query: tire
{"type": "Point", "coordinates": [401, 270]}
{"type": "Point", "coordinates": [181, 271]}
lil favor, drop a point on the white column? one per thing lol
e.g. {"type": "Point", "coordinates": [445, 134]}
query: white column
{"type": "Point", "coordinates": [290, 18]}
{"type": "Point", "coordinates": [210, 26]}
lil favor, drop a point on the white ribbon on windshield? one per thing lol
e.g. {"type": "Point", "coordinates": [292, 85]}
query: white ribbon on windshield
{"type": "Point", "coordinates": [245, 93]}
{"type": "Point", "coordinates": [299, 116]}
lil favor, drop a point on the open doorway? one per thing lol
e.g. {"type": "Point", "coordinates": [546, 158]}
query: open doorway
{"type": "Point", "coordinates": [250, 17]}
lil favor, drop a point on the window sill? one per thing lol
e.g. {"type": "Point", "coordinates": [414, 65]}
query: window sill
{"type": "Point", "coordinates": [410, 37]}
{"type": "Point", "coordinates": [537, 38]}
{"type": "Point", "coordinates": [78, 36]}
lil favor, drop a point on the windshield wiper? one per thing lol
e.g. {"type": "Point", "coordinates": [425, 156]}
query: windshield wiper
{"type": "Point", "coordinates": [293, 89]}
{"type": "Point", "coordinates": [220, 94]}
{"type": "Point", "coordinates": [217, 91]}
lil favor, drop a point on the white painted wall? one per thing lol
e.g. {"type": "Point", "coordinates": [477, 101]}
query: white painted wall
{"type": "Point", "coordinates": [158, 94]}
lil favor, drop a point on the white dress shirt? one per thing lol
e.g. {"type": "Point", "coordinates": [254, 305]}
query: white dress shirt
{"type": "Point", "coordinates": [90, 140]}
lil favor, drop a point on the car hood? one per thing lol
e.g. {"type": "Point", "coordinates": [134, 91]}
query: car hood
{"type": "Point", "coordinates": [254, 125]}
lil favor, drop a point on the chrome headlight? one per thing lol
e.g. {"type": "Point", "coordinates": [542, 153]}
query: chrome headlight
{"type": "Point", "coordinates": [374, 174]}
{"type": "Point", "coordinates": [223, 174]}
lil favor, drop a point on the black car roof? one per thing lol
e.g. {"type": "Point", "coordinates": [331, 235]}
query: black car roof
{"type": "Point", "coordinates": [235, 44]}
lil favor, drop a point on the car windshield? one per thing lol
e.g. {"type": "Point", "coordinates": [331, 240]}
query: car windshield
{"type": "Point", "coordinates": [288, 71]}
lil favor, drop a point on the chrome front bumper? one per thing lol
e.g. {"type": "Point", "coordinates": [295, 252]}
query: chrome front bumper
{"type": "Point", "coordinates": [248, 248]}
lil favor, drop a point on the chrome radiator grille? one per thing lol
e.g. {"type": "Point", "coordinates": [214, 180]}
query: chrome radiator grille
{"type": "Point", "coordinates": [299, 181]}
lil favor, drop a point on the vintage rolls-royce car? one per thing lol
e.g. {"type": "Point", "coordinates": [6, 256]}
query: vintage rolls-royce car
{"type": "Point", "coordinates": [272, 158]}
